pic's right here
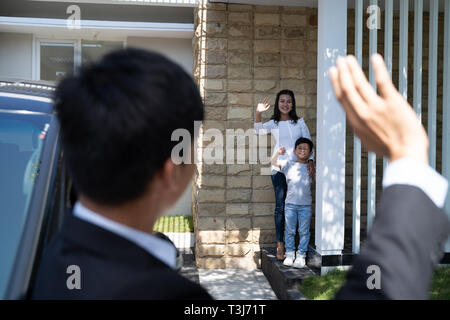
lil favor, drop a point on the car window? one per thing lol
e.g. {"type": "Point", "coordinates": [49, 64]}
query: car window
{"type": "Point", "coordinates": [21, 140]}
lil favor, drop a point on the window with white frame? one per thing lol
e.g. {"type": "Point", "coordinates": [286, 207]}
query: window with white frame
{"type": "Point", "coordinates": [58, 58]}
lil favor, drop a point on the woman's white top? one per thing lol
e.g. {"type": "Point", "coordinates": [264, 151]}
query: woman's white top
{"type": "Point", "coordinates": [285, 133]}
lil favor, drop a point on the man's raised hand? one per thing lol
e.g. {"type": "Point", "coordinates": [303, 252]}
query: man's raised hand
{"type": "Point", "coordinates": [385, 123]}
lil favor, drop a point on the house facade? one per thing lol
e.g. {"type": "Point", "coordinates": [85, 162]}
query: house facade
{"type": "Point", "coordinates": [239, 52]}
{"type": "Point", "coordinates": [44, 40]}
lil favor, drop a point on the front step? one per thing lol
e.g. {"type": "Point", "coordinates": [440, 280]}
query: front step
{"type": "Point", "coordinates": [284, 280]}
{"type": "Point", "coordinates": [189, 270]}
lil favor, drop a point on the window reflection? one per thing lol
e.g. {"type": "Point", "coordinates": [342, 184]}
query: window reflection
{"type": "Point", "coordinates": [57, 60]}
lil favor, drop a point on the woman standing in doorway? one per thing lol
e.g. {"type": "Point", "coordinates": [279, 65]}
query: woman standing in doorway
{"type": "Point", "coordinates": [287, 127]}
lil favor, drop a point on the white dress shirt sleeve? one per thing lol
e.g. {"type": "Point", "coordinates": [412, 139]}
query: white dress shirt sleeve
{"type": "Point", "coordinates": [416, 173]}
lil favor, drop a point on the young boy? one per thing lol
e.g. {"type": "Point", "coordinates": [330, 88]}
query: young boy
{"type": "Point", "coordinates": [298, 200]}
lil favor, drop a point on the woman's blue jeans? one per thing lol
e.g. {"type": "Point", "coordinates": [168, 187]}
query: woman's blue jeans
{"type": "Point", "coordinates": [301, 214]}
{"type": "Point", "coordinates": [280, 188]}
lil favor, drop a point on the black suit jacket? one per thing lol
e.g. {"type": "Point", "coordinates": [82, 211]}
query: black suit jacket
{"type": "Point", "coordinates": [406, 241]}
{"type": "Point", "coordinates": [111, 268]}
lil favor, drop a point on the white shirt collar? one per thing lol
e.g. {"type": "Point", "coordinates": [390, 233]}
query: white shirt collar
{"type": "Point", "coordinates": [157, 247]}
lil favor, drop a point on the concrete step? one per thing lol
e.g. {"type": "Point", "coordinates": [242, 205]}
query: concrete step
{"type": "Point", "coordinates": [283, 280]}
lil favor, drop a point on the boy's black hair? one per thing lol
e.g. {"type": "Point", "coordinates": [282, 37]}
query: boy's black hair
{"type": "Point", "coordinates": [276, 111]}
{"type": "Point", "coordinates": [304, 140]}
{"type": "Point", "coordinates": [117, 117]}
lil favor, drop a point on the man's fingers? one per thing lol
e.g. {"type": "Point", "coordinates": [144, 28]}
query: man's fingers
{"type": "Point", "coordinates": [363, 86]}
{"type": "Point", "coordinates": [334, 77]}
{"type": "Point", "coordinates": [352, 117]}
{"type": "Point", "coordinates": [383, 80]}
{"type": "Point", "coordinates": [351, 99]}
{"type": "Point", "coordinates": [352, 110]}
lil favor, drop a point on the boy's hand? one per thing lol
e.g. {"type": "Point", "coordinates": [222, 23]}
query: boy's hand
{"type": "Point", "coordinates": [282, 150]}
{"type": "Point", "coordinates": [385, 123]}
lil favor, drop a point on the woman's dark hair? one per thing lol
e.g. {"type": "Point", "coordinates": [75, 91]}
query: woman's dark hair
{"type": "Point", "coordinates": [276, 111]}
{"type": "Point", "coordinates": [117, 117]}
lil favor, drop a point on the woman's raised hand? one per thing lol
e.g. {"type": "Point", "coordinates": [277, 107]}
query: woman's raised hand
{"type": "Point", "coordinates": [263, 105]}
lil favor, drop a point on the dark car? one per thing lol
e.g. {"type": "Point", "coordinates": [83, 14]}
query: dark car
{"type": "Point", "coordinates": [35, 190]}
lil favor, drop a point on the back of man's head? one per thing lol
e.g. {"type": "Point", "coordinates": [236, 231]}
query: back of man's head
{"type": "Point", "coordinates": [117, 117]}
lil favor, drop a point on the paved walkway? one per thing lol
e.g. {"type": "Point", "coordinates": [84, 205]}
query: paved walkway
{"type": "Point", "coordinates": [228, 284]}
{"type": "Point", "coordinates": [236, 284]}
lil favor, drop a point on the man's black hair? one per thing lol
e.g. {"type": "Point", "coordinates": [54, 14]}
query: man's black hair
{"type": "Point", "coordinates": [304, 140]}
{"type": "Point", "coordinates": [276, 111]}
{"type": "Point", "coordinates": [117, 117]}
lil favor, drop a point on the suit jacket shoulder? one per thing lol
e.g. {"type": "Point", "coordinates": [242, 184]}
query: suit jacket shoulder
{"type": "Point", "coordinates": [108, 267]}
{"type": "Point", "coordinates": [406, 242]}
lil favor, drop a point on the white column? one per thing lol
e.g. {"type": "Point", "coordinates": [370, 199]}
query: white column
{"type": "Point", "coordinates": [388, 26]}
{"type": "Point", "coordinates": [403, 55]}
{"type": "Point", "coordinates": [330, 186]}
{"type": "Point", "coordinates": [417, 83]}
{"type": "Point", "coordinates": [372, 157]}
{"type": "Point", "coordinates": [446, 109]}
{"type": "Point", "coordinates": [432, 79]}
{"type": "Point", "coordinates": [356, 230]}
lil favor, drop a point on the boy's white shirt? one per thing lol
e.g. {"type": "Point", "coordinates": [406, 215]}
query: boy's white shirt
{"type": "Point", "coordinates": [299, 190]}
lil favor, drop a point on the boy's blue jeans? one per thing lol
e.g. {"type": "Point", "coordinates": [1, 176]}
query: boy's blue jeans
{"type": "Point", "coordinates": [297, 213]}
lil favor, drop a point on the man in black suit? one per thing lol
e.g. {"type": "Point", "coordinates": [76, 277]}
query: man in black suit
{"type": "Point", "coordinates": [410, 229]}
{"type": "Point", "coordinates": [117, 118]}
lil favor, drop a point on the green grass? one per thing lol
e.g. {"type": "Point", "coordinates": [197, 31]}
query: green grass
{"type": "Point", "coordinates": [440, 285]}
{"type": "Point", "coordinates": [174, 224]}
{"type": "Point", "coordinates": [326, 287]}
{"type": "Point", "coordinates": [323, 288]}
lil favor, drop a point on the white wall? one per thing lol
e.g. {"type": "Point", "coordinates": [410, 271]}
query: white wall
{"type": "Point", "coordinates": [180, 51]}
{"type": "Point", "coordinates": [16, 62]}
{"type": "Point", "coordinates": [16, 55]}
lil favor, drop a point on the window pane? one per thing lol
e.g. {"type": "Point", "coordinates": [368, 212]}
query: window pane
{"type": "Point", "coordinates": [21, 139]}
{"type": "Point", "coordinates": [92, 51]}
{"type": "Point", "coordinates": [57, 60]}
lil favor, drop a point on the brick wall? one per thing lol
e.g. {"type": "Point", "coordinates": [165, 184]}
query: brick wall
{"type": "Point", "coordinates": [244, 53]}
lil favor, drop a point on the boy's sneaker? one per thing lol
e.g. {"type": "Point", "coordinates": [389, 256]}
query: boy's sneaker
{"type": "Point", "coordinates": [289, 259]}
{"type": "Point", "coordinates": [299, 261]}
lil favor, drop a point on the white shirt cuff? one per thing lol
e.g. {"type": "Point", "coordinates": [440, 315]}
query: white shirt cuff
{"type": "Point", "coordinates": [416, 173]}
